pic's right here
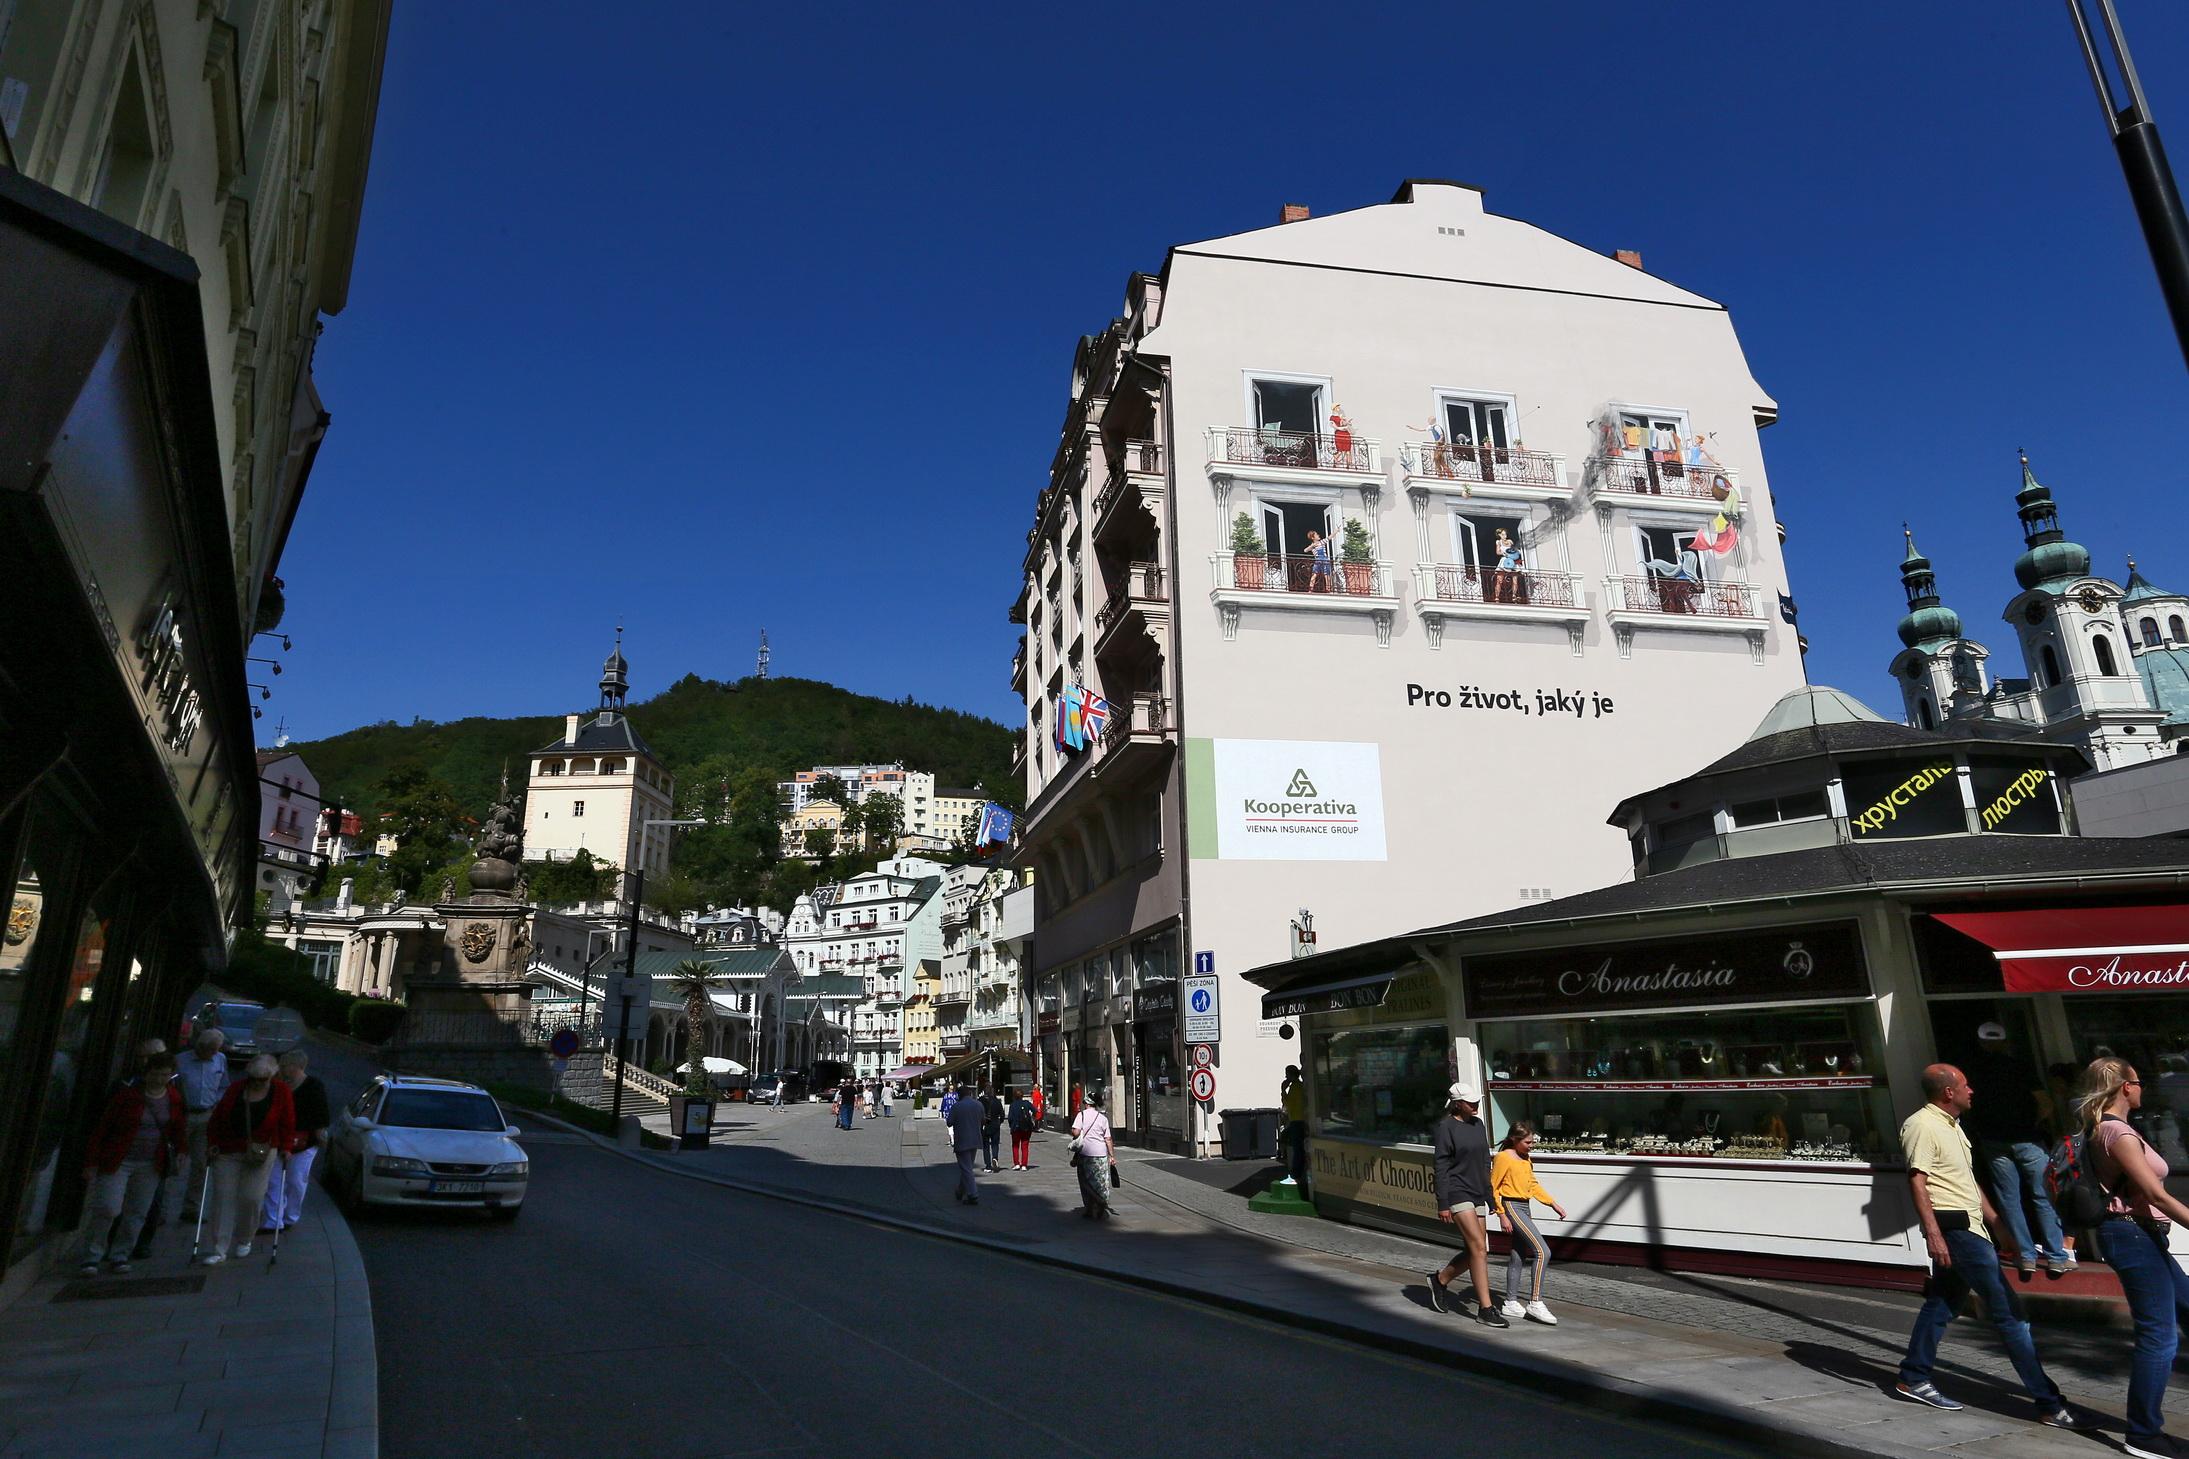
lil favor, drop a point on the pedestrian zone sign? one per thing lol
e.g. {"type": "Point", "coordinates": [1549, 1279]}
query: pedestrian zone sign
{"type": "Point", "coordinates": [1203, 1010]}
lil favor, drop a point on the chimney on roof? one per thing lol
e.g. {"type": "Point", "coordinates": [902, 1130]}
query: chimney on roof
{"type": "Point", "coordinates": [1632, 258]}
{"type": "Point", "coordinates": [570, 729]}
{"type": "Point", "coordinates": [1293, 213]}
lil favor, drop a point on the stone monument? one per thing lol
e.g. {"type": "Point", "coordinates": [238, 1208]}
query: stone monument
{"type": "Point", "coordinates": [470, 1018]}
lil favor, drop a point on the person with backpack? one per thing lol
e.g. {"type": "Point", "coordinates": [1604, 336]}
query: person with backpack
{"type": "Point", "coordinates": [2123, 1178]}
{"type": "Point", "coordinates": [991, 1127]}
{"type": "Point", "coordinates": [1023, 1117]}
{"type": "Point", "coordinates": [1955, 1215]}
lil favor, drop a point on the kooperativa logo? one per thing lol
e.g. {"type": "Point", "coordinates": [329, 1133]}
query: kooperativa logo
{"type": "Point", "coordinates": [1301, 787]}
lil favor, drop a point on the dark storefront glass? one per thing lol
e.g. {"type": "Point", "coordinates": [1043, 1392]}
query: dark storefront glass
{"type": "Point", "coordinates": [2152, 1033]}
{"type": "Point", "coordinates": [1384, 1084]}
{"type": "Point", "coordinates": [52, 1102]}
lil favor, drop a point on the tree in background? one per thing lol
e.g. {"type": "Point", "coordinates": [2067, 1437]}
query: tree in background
{"type": "Point", "coordinates": [881, 822]}
{"type": "Point", "coordinates": [831, 788]}
{"type": "Point", "coordinates": [692, 982]}
{"type": "Point", "coordinates": [420, 811]}
{"type": "Point", "coordinates": [566, 883]}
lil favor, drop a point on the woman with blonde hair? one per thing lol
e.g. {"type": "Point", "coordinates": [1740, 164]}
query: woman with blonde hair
{"type": "Point", "coordinates": [2134, 1236]}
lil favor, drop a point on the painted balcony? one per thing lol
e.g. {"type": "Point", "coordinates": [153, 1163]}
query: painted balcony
{"type": "Point", "coordinates": [1263, 453]}
{"type": "Point", "coordinates": [1445, 591]}
{"type": "Point", "coordinates": [1490, 471]}
{"type": "Point", "coordinates": [1632, 603]}
{"type": "Point", "coordinates": [1655, 478]}
{"type": "Point", "coordinates": [1303, 583]}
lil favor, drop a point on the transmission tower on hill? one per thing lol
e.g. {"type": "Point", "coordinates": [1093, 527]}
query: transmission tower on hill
{"type": "Point", "coordinates": [762, 672]}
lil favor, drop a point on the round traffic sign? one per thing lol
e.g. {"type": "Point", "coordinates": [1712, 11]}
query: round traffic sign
{"type": "Point", "coordinates": [1204, 1085]}
{"type": "Point", "coordinates": [1203, 1056]}
{"type": "Point", "coordinates": [564, 1043]}
{"type": "Point", "coordinates": [279, 1030]}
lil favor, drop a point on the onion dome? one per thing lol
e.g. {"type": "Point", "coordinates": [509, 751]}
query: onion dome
{"type": "Point", "coordinates": [1929, 621]}
{"type": "Point", "coordinates": [2049, 557]}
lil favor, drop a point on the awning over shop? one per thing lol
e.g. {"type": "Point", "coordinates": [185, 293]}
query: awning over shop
{"type": "Point", "coordinates": [909, 1071]}
{"type": "Point", "coordinates": [1328, 995]}
{"type": "Point", "coordinates": [1007, 1059]}
{"type": "Point", "coordinates": [2084, 949]}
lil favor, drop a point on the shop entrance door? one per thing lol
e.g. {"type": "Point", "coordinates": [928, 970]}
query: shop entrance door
{"type": "Point", "coordinates": [1954, 1022]}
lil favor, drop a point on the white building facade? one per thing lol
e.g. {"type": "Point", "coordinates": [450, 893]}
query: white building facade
{"type": "Point", "coordinates": [595, 789]}
{"type": "Point", "coordinates": [1397, 544]}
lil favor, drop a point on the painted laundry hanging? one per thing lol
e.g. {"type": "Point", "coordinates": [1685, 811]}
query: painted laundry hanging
{"type": "Point", "coordinates": [1723, 533]}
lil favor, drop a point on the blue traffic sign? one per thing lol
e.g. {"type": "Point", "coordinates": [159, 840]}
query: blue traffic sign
{"type": "Point", "coordinates": [1204, 962]}
{"type": "Point", "coordinates": [564, 1043]}
{"type": "Point", "coordinates": [1201, 1000]}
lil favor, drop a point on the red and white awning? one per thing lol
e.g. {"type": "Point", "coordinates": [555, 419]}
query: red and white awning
{"type": "Point", "coordinates": [2084, 949]}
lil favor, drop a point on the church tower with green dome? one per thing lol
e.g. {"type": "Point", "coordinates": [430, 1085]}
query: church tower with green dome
{"type": "Point", "coordinates": [2157, 623]}
{"type": "Point", "coordinates": [1940, 673]}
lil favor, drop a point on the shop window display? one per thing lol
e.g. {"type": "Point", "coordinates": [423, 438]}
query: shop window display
{"type": "Point", "coordinates": [63, 1075]}
{"type": "Point", "coordinates": [1384, 1084]}
{"type": "Point", "coordinates": [1767, 1084]}
{"type": "Point", "coordinates": [2151, 1033]}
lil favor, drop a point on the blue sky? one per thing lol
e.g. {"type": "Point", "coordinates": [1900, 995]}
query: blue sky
{"type": "Point", "coordinates": [712, 317]}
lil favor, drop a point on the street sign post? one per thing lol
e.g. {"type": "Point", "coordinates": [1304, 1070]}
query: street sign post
{"type": "Point", "coordinates": [1203, 1084]}
{"type": "Point", "coordinates": [563, 1044]}
{"type": "Point", "coordinates": [1203, 1010]}
{"type": "Point", "coordinates": [1203, 1056]}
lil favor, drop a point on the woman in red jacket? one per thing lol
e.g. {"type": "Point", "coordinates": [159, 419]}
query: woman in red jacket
{"type": "Point", "coordinates": [254, 1121]}
{"type": "Point", "coordinates": [138, 1133]}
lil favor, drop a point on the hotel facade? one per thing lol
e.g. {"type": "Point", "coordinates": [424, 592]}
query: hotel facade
{"type": "Point", "coordinates": [1388, 548]}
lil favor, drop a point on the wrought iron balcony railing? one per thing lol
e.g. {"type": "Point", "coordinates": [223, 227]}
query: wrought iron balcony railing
{"type": "Point", "coordinates": [1521, 587]}
{"type": "Point", "coordinates": [1654, 474]}
{"type": "Point", "coordinates": [1482, 464]}
{"type": "Point", "coordinates": [1144, 582]}
{"type": "Point", "coordinates": [1683, 597]}
{"type": "Point", "coordinates": [1303, 574]}
{"type": "Point", "coordinates": [1268, 446]}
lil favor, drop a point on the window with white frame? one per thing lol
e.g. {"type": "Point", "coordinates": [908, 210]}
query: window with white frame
{"type": "Point", "coordinates": [1473, 421]}
{"type": "Point", "coordinates": [1490, 539]}
{"type": "Point", "coordinates": [1653, 431]}
{"type": "Point", "coordinates": [1292, 406]}
{"type": "Point", "coordinates": [1668, 552]}
{"type": "Point", "coordinates": [1286, 522]}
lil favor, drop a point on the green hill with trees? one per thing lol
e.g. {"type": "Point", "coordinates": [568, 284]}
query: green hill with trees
{"type": "Point", "coordinates": [726, 744]}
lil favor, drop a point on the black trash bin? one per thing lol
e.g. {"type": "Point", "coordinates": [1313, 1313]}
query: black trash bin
{"type": "Point", "coordinates": [1250, 1134]}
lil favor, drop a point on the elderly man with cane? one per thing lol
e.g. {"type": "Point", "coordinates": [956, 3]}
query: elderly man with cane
{"type": "Point", "coordinates": [202, 1075]}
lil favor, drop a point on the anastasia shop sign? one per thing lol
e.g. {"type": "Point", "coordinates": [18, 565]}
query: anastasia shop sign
{"type": "Point", "coordinates": [1783, 964]}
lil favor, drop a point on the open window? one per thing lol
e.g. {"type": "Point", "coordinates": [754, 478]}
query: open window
{"type": "Point", "coordinates": [1654, 433]}
{"type": "Point", "coordinates": [1668, 553]}
{"type": "Point", "coordinates": [1288, 417]}
{"type": "Point", "coordinates": [1478, 423]}
{"type": "Point", "coordinates": [1298, 537]}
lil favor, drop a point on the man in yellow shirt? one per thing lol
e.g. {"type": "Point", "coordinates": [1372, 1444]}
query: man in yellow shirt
{"type": "Point", "coordinates": [1293, 1096]}
{"type": "Point", "coordinates": [1955, 1215]}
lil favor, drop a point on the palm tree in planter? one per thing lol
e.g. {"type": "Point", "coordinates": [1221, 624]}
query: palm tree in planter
{"type": "Point", "coordinates": [693, 982]}
{"type": "Point", "coordinates": [1249, 559]}
{"type": "Point", "coordinates": [1358, 559]}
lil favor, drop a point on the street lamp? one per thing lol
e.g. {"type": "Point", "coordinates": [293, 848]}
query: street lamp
{"type": "Point", "coordinates": [2143, 161]}
{"type": "Point", "coordinates": [630, 966]}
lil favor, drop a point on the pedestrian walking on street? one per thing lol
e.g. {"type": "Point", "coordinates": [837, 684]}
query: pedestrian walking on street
{"type": "Point", "coordinates": [1041, 1106]}
{"type": "Point", "coordinates": [964, 1124]}
{"type": "Point", "coordinates": [1956, 1215]}
{"type": "Point", "coordinates": [949, 1103]}
{"type": "Point", "coordinates": [155, 1217]}
{"type": "Point", "coordinates": [2011, 1150]}
{"type": "Point", "coordinates": [203, 1075]}
{"type": "Point", "coordinates": [138, 1137]}
{"type": "Point", "coordinates": [1024, 1115]}
{"type": "Point", "coordinates": [1512, 1186]}
{"type": "Point", "coordinates": [254, 1121]}
{"type": "Point", "coordinates": [1292, 1094]}
{"type": "Point", "coordinates": [286, 1187]}
{"type": "Point", "coordinates": [889, 1100]}
{"type": "Point", "coordinates": [847, 1103]}
{"type": "Point", "coordinates": [1093, 1150]}
{"type": "Point", "coordinates": [2139, 1217]}
{"type": "Point", "coordinates": [1463, 1200]}
{"type": "Point", "coordinates": [991, 1126]}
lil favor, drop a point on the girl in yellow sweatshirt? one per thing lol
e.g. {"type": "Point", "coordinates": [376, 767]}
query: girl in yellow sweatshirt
{"type": "Point", "coordinates": [1512, 1186]}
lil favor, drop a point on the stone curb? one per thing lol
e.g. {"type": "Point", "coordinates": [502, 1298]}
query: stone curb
{"type": "Point", "coordinates": [353, 1408]}
{"type": "Point", "coordinates": [1550, 1376]}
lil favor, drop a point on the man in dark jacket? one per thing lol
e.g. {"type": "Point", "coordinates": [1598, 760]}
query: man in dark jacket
{"type": "Point", "coordinates": [1025, 1116]}
{"type": "Point", "coordinates": [1463, 1200]}
{"type": "Point", "coordinates": [964, 1121]}
{"type": "Point", "coordinates": [991, 1125]}
{"type": "Point", "coordinates": [286, 1186]}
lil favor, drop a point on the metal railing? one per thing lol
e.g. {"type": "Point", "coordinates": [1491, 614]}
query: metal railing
{"type": "Point", "coordinates": [1303, 574]}
{"type": "Point", "coordinates": [1144, 582]}
{"type": "Point", "coordinates": [1521, 587]}
{"type": "Point", "coordinates": [1649, 475]}
{"type": "Point", "coordinates": [639, 1079]}
{"type": "Point", "coordinates": [1145, 714]}
{"type": "Point", "coordinates": [1683, 597]}
{"type": "Point", "coordinates": [1143, 457]}
{"type": "Point", "coordinates": [1267, 446]}
{"type": "Point", "coordinates": [1483, 464]}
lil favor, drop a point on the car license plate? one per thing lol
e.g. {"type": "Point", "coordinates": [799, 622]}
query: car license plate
{"type": "Point", "coordinates": [455, 1187]}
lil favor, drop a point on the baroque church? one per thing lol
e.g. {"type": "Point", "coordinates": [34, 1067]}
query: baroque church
{"type": "Point", "coordinates": [2106, 664]}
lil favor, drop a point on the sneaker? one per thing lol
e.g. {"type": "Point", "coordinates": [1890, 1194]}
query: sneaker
{"type": "Point", "coordinates": [2059, 1266]}
{"type": "Point", "coordinates": [2062, 1417]}
{"type": "Point", "coordinates": [1537, 1312]}
{"type": "Point", "coordinates": [1491, 1317]}
{"type": "Point", "coordinates": [121, 1268]}
{"type": "Point", "coordinates": [2027, 1265]}
{"type": "Point", "coordinates": [1436, 1294]}
{"type": "Point", "coordinates": [243, 1250]}
{"type": "Point", "coordinates": [1925, 1392]}
{"type": "Point", "coordinates": [87, 1269]}
{"type": "Point", "coordinates": [213, 1258]}
{"type": "Point", "coordinates": [1513, 1309]}
{"type": "Point", "coordinates": [2154, 1446]}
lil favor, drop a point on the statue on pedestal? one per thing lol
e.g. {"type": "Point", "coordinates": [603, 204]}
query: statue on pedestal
{"type": "Point", "coordinates": [500, 846]}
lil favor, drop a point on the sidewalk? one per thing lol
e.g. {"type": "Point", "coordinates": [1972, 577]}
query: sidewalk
{"type": "Point", "coordinates": [182, 1361]}
{"type": "Point", "coordinates": [1719, 1353]}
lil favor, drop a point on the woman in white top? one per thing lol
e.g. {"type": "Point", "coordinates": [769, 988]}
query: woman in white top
{"type": "Point", "coordinates": [1091, 1148]}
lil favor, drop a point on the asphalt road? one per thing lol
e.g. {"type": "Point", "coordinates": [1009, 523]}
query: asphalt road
{"type": "Point", "coordinates": [632, 1312]}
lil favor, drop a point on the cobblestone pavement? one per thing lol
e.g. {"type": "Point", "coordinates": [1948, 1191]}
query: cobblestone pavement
{"type": "Point", "coordinates": [1814, 1364]}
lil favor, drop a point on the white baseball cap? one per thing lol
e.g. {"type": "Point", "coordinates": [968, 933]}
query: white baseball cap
{"type": "Point", "coordinates": [1992, 1033]}
{"type": "Point", "coordinates": [1466, 1092]}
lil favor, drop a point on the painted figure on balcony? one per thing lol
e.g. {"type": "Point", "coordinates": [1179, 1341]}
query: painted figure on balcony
{"type": "Point", "coordinates": [1318, 562]}
{"type": "Point", "coordinates": [1440, 451]}
{"type": "Point", "coordinates": [1507, 586]}
{"type": "Point", "coordinates": [1341, 435]}
{"type": "Point", "coordinates": [1722, 535]}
